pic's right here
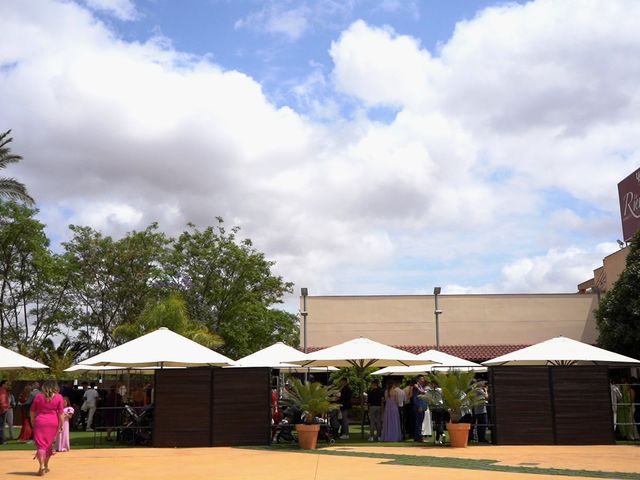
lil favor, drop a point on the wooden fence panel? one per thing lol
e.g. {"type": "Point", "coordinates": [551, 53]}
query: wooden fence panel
{"type": "Point", "coordinates": [187, 391]}
{"type": "Point", "coordinates": [582, 405]}
{"type": "Point", "coordinates": [522, 406]}
{"type": "Point", "coordinates": [241, 412]}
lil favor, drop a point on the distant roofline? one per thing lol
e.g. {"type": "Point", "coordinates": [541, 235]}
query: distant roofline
{"type": "Point", "coordinates": [453, 295]}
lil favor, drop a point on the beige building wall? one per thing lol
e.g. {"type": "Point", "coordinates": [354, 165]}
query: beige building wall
{"type": "Point", "coordinates": [466, 319]}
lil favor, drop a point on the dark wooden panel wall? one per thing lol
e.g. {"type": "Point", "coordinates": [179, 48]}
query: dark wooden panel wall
{"type": "Point", "coordinates": [522, 406]}
{"type": "Point", "coordinates": [219, 407]}
{"type": "Point", "coordinates": [241, 412]}
{"type": "Point", "coordinates": [552, 405]}
{"type": "Point", "coordinates": [182, 408]}
{"type": "Point", "coordinates": [582, 399]}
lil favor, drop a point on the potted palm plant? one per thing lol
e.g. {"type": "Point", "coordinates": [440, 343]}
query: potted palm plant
{"type": "Point", "coordinates": [459, 392]}
{"type": "Point", "coordinates": [313, 400]}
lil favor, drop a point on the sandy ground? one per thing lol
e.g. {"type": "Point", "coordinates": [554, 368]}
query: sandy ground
{"type": "Point", "coordinates": [610, 458]}
{"type": "Point", "coordinates": [231, 463]}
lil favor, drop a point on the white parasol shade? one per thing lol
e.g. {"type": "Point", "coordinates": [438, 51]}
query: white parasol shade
{"type": "Point", "coordinates": [162, 348]}
{"type": "Point", "coordinates": [273, 356]}
{"type": "Point", "coordinates": [361, 353]}
{"type": "Point", "coordinates": [444, 362]}
{"type": "Point", "coordinates": [101, 369]}
{"type": "Point", "coordinates": [10, 360]}
{"type": "Point", "coordinates": [563, 351]}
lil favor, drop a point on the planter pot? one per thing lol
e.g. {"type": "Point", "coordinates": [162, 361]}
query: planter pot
{"type": "Point", "coordinates": [458, 434]}
{"type": "Point", "coordinates": [307, 435]}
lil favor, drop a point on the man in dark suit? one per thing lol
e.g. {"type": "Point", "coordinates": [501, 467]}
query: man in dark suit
{"type": "Point", "coordinates": [345, 406]}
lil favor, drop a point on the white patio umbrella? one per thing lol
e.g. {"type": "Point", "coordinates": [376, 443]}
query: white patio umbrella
{"type": "Point", "coordinates": [109, 369]}
{"type": "Point", "coordinates": [273, 357]}
{"type": "Point", "coordinates": [360, 353]}
{"type": "Point", "coordinates": [445, 362]}
{"type": "Point", "coordinates": [10, 360]}
{"type": "Point", "coordinates": [563, 351]}
{"type": "Point", "coordinates": [161, 348]}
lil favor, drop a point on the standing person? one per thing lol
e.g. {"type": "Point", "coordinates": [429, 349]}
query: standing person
{"type": "Point", "coordinates": [419, 406]}
{"type": "Point", "coordinates": [113, 404]}
{"type": "Point", "coordinates": [480, 416]}
{"type": "Point", "coordinates": [47, 418]}
{"type": "Point", "coordinates": [9, 415]}
{"type": "Point", "coordinates": [345, 406]}
{"type": "Point", "coordinates": [409, 421]}
{"type": "Point", "coordinates": [25, 432]}
{"type": "Point", "coordinates": [64, 440]}
{"type": "Point", "coordinates": [391, 430]}
{"type": "Point", "coordinates": [374, 396]}
{"type": "Point", "coordinates": [438, 413]}
{"type": "Point", "coordinates": [401, 400]}
{"type": "Point", "coordinates": [4, 407]}
{"type": "Point", "coordinates": [91, 397]}
{"type": "Point", "coordinates": [35, 391]}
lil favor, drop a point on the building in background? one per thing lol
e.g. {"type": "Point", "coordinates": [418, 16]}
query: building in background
{"type": "Point", "coordinates": [475, 327]}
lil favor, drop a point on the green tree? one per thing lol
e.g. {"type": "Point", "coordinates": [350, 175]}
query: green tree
{"type": "Point", "coordinates": [10, 188]}
{"type": "Point", "coordinates": [618, 315]}
{"type": "Point", "coordinates": [229, 287]}
{"type": "Point", "coordinates": [58, 357]}
{"type": "Point", "coordinates": [170, 312]}
{"type": "Point", "coordinates": [33, 281]}
{"type": "Point", "coordinates": [111, 280]}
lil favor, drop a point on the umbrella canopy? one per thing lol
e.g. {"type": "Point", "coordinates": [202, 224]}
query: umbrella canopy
{"type": "Point", "coordinates": [444, 362]}
{"type": "Point", "coordinates": [162, 348]}
{"type": "Point", "coordinates": [563, 351]}
{"type": "Point", "coordinates": [273, 356]}
{"type": "Point", "coordinates": [361, 353]}
{"type": "Point", "coordinates": [96, 368]}
{"type": "Point", "coordinates": [10, 360]}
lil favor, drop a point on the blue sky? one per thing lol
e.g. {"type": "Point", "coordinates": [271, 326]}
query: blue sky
{"type": "Point", "coordinates": [367, 147]}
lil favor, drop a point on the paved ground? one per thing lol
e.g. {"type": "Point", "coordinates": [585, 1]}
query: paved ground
{"type": "Point", "coordinates": [371, 463]}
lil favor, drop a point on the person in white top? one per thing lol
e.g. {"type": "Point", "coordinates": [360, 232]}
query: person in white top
{"type": "Point", "coordinates": [401, 399]}
{"type": "Point", "coordinates": [91, 397]}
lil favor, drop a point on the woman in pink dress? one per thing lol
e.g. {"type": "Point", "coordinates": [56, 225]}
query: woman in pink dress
{"type": "Point", "coordinates": [64, 443]}
{"type": "Point", "coordinates": [47, 417]}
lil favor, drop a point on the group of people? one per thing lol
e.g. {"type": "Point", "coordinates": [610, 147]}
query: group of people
{"type": "Point", "coordinates": [416, 411]}
{"type": "Point", "coordinates": [46, 419]}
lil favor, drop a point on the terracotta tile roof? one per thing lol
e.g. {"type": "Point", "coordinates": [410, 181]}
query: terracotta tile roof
{"type": "Point", "coordinates": [474, 353]}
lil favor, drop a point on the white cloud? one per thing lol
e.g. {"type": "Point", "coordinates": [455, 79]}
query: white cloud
{"type": "Point", "coordinates": [117, 134]}
{"type": "Point", "coordinates": [274, 19]}
{"type": "Point", "coordinates": [121, 9]}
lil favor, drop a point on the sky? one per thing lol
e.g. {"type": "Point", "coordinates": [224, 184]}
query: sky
{"type": "Point", "coordinates": [367, 147]}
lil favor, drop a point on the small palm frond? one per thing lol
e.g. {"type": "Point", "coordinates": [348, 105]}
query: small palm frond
{"type": "Point", "coordinates": [6, 157]}
{"type": "Point", "coordinates": [312, 398]}
{"type": "Point", "coordinates": [13, 190]}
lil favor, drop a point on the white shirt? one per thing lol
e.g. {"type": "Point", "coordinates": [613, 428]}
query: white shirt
{"type": "Point", "coordinates": [401, 396]}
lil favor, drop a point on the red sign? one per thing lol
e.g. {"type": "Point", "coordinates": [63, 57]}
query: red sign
{"type": "Point", "coordinates": [629, 192]}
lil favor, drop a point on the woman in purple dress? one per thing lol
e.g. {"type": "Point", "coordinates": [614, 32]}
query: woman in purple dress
{"type": "Point", "coordinates": [47, 417]}
{"type": "Point", "coordinates": [391, 431]}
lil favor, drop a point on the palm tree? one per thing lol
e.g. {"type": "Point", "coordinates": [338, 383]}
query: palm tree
{"type": "Point", "coordinates": [9, 187]}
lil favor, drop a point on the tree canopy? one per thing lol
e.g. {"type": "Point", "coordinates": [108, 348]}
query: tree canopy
{"type": "Point", "coordinates": [618, 314]}
{"type": "Point", "coordinates": [206, 284]}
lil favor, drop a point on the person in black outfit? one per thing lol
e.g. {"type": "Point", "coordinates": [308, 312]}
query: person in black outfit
{"type": "Point", "coordinates": [374, 399]}
{"type": "Point", "coordinates": [345, 406]}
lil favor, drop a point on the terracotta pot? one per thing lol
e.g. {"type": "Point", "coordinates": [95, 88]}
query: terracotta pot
{"type": "Point", "coordinates": [308, 435]}
{"type": "Point", "coordinates": [458, 434]}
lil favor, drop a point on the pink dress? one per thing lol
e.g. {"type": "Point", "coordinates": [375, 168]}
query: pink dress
{"type": "Point", "coordinates": [64, 444]}
{"type": "Point", "coordinates": [45, 425]}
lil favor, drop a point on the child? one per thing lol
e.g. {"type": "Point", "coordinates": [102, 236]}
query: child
{"type": "Point", "coordinates": [63, 437]}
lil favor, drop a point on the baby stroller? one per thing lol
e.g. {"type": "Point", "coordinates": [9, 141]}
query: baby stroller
{"type": "Point", "coordinates": [137, 427]}
{"type": "Point", "coordinates": [286, 427]}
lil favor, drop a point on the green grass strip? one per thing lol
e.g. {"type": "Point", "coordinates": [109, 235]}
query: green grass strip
{"type": "Point", "coordinates": [449, 462]}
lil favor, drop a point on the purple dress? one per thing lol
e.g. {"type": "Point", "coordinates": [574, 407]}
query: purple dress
{"type": "Point", "coordinates": [391, 431]}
